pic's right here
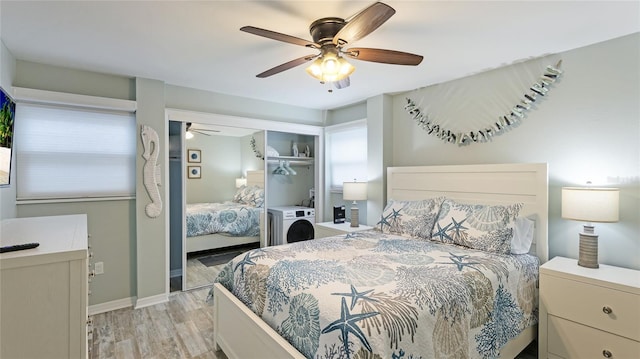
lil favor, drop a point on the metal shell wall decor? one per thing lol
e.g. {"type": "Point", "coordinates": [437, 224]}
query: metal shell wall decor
{"type": "Point", "coordinates": [254, 149]}
{"type": "Point", "coordinates": [500, 125]}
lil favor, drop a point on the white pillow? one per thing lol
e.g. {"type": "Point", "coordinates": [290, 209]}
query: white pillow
{"type": "Point", "coordinates": [522, 235]}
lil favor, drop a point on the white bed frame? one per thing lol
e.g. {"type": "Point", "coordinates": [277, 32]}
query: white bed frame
{"type": "Point", "coordinates": [222, 240]}
{"type": "Point", "coordinates": [242, 334]}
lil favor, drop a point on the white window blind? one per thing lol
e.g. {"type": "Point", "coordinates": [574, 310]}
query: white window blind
{"type": "Point", "coordinates": [65, 152]}
{"type": "Point", "coordinates": [347, 153]}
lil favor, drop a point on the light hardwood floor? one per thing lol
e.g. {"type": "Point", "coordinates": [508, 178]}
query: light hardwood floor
{"type": "Point", "coordinates": [180, 328]}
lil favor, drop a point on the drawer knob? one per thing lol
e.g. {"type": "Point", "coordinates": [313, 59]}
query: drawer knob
{"type": "Point", "coordinates": [607, 354]}
{"type": "Point", "coordinates": [607, 310]}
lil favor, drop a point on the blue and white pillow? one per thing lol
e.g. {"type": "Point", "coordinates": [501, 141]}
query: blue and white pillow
{"type": "Point", "coordinates": [257, 197]}
{"type": "Point", "coordinates": [487, 228]}
{"type": "Point", "coordinates": [410, 218]}
{"type": "Point", "coordinates": [243, 195]}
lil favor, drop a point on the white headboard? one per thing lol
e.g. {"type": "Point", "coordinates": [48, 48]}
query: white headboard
{"type": "Point", "coordinates": [255, 178]}
{"type": "Point", "coordinates": [487, 184]}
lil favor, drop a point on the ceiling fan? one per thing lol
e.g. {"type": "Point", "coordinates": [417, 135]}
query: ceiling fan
{"type": "Point", "coordinates": [203, 131]}
{"type": "Point", "coordinates": [330, 36]}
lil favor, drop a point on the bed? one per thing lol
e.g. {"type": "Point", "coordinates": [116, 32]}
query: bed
{"type": "Point", "coordinates": [230, 223]}
{"type": "Point", "coordinates": [407, 304]}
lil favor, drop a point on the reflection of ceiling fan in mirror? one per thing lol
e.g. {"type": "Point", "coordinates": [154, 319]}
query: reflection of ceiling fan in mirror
{"type": "Point", "coordinates": [202, 131]}
{"type": "Point", "coordinates": [330, 36]}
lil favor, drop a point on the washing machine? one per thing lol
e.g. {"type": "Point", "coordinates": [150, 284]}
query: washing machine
{"type": "Point", "coordinates": [290, 224]}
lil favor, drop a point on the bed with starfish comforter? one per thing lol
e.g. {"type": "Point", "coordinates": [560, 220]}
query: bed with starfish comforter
{"type": "Point", "coordinates": [381, 295]}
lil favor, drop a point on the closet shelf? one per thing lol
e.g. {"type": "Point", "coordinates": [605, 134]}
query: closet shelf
{"type": "Point", "coordinates": [300, 161]}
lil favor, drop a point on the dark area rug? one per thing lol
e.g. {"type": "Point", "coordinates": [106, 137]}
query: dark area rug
{"type": "Point", "coordinates": [218, 258]}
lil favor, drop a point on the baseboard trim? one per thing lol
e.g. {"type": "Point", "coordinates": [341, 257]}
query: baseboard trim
{"type": "Point", "coordinates": [153, 300]}
{"type": "Point", "coordinates": [112, 305]}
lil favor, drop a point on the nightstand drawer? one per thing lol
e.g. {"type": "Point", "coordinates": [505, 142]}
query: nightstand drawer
{"type": "Point", "coordinates": [322, 232]}
{"type": "Point", "coordinates": [588, 304]}
{"type": "Point", "coordinates": [572, 340]}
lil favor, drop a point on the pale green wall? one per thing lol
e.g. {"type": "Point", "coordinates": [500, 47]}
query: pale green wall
{"type": "Point", "coordinates": [341, 115]}
{"type": "Point", "coordinates": [184, 98]}
{"type": "Point", "coordinates": [111, 231]}
{"type": "Point", "coordinates": [111, 224]}
{"type": "Point", "coordinates": [250, 161]}
{"type": "Point", "coordinates": [221, 165]}
{"type": "Point", "coordinates": [587, 128]}
{"type": "Point", "coordinates": [132, 245]}
{"type": "Point", "coordinates": [151, 233]}
{"type": "Point", "coordinates": [380, 151]}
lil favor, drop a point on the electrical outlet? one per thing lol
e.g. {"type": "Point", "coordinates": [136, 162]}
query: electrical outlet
{"type": "Point", "coordinates": [99, 267]}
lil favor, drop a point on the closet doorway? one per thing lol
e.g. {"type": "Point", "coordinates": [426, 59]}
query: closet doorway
{"type": "Point", "coordinates": [229, 157]}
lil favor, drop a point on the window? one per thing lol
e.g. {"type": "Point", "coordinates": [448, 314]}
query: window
{"type": "Point", "coordinates": [346, 153]}
{"type": "Point", "coordinates": [70, 152]}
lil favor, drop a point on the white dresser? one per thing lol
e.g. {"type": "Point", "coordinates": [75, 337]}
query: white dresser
{"type": "Point", "coordinates": [588, 313]}
{"type": "Point", "coordinates": [44, 290]}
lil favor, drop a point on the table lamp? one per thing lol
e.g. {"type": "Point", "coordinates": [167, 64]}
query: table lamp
{"type": "Point", "coordinates": [241, 182]}
{"type": "Point", "coordinates": [589, 204]}
{"type": "Point", "coordinates": [354, 191]}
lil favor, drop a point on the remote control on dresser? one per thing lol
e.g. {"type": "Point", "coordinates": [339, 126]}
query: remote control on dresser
{"type": "Point", "coordinates": [18, 247]}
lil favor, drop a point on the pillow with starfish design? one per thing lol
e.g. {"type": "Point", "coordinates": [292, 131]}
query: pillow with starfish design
{"type": "Point", "coordinates": [488, 228]}
{"type": "Point", "coordinates": [410, 218]}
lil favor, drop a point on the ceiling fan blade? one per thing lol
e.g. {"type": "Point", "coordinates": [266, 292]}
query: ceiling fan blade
{"type": "Point", "coordinates": [279, 36]}
{"type": "Point", "coordinates": [202, 133]}
{"type": "Point", "coordinates": [345, 82]}
{"type": "Point", "coordinates": [286, 66]}
{"type": "Point", "coordinates": [364, 23]}
{"type": "Point", "coordinates": [383, 56]}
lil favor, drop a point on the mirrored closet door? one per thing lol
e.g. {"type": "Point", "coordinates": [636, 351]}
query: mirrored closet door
{"type": "Point", "coordinates": [220, 172]}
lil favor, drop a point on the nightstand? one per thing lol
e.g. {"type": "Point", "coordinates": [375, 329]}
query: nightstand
{"type": "Point", "coordinates": [588, 313]}
{"type": "Point", "coordinates": [328, 229]}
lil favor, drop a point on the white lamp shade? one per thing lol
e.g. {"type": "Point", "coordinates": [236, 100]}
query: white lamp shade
{"type": "Point", "coordinates": [354, 191]}
{"type": "Point", "coordinates": [241, 182]}
{"type": "Point", "coordinates": [590, 204]}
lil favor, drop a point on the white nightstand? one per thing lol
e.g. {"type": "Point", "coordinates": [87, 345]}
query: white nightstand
{"type": "Point", "coordinates": [588, 313]}
{"type": "Point", "coordinates": [328, 229]}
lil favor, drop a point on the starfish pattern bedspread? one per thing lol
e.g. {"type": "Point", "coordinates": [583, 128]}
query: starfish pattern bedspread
{"type": "Point", "coordinates": [375, 295]}
{"type": "Point", "coordinates": [226, 217]}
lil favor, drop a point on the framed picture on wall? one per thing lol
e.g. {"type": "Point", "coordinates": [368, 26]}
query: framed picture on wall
{"type": "Point", "coordinates": [193, 156]}
{"type": "Point", "coordinates": [193, 172]}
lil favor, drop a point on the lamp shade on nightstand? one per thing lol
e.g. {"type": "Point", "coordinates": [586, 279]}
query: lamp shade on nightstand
{"type": "Point", "coordinates": [354, 191]}
{"type": "Point", "coordinates": [589, 204]}
{"type": "Point", "coordinates": [241, 182]}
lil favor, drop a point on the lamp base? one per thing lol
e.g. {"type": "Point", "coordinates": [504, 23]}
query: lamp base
{"type": "Point", "coordinates": [588, 250]}
{"type": "Point", "coordinates": [355, 215]}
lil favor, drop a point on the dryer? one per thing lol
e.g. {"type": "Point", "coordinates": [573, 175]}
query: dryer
{"type": "Point", "coordinates": [290, 224]}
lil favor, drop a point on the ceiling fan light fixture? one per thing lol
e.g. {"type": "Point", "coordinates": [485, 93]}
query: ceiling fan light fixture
{"type": "Point", "coordinates": [330, 68]}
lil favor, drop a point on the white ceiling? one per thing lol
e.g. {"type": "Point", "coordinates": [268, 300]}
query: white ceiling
{"type": "Point", "coordinates": [198, 43]}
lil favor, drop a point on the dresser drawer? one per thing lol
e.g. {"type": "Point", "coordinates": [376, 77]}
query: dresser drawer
{"type": "Point", "coordinates": [572, 340]}
{"type": "Point", "coordinates": [587, 304]}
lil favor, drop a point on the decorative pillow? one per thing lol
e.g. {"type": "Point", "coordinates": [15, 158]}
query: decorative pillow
{"type": "Point", "coordinates": [522, 235]}
{"type": "Point", "coordinates": [243, 195]}
{"type": "Point", "coordinates": [483, 227]}
{"type": "Point", "coordinates": [410, 218]}
{"type": "Point", "coordinates": [257, 197]}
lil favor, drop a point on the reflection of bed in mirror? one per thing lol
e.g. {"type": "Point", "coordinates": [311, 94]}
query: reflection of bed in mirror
{"type": "Point", "coordinates": [231, 223]}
